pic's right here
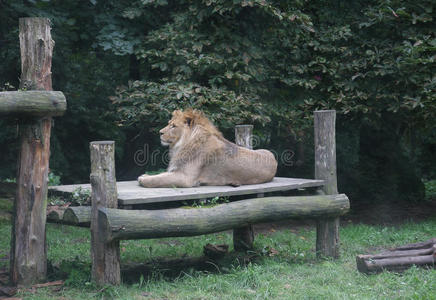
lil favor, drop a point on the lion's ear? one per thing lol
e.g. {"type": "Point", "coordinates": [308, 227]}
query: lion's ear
{"type": "Point", "coordinates": [189, 121]}
{"type": "Point", "coordinates": [176, 112]}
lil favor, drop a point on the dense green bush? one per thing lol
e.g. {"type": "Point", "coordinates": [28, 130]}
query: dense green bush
{"type": "Point", "coordinates": [270, 63]}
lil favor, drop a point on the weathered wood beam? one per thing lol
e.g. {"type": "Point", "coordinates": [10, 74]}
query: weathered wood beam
{"type": "Point", "coordinates": [77, 215]}
{"type": "Point", "coordinates": [327, 229]}
{"type": "Point", "coordinates": [56, 214]}
{"type": "Point", "coordinates": [400, 258]}
{"type": "Point", "coordinates": [28, 262]}
{"type": "Point", "coordinates": [243, 237]}
{"type": "Point", "coordinates": [117, 224]}
{"type": "Point", "coordinates": [32, 103]}
{"type": "Point", "coordinates": [105, 255]}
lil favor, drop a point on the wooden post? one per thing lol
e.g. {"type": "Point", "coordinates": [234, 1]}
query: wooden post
{"type": "Point", "coordinates": [243, 237]}
{"type": "Point", "coordinates": [28, 262]}
{"type": "Point", "coordinates": [327, 229]}
{"type": "Point", "coordinates": [105, 256]}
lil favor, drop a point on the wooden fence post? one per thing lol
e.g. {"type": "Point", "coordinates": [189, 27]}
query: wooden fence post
{"type": "Point", "coordinates": [105, 256]}
{"type": "Point", "coordinates": [243, 237]}
{"type": "Point", "coordinates": [327, 230]}
{"type": "Point", "coordinates": [28, 259]}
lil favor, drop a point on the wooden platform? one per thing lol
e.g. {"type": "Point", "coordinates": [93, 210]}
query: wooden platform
{"type": "Point", "coordinates": [130, 193]}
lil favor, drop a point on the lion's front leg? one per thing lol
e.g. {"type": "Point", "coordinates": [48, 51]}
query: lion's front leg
{"type": "Point", "coordinates": [167, 179]}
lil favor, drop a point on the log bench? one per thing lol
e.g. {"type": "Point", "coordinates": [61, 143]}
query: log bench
{"type": "Point", "coordinates": [115, 216]}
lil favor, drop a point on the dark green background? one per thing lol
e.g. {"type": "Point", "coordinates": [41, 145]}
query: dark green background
{"type": "Point", "coordinates": [125, 65]}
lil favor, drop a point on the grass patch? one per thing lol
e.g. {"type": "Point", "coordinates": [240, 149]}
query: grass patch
{"type": "Point", "coordinates": [291, 271]}
{"type": "Point", "coordinates": [6, 205]}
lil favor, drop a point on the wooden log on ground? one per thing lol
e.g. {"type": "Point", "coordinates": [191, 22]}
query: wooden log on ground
{"type": "Point", "coordinates": [28, 262]}
{"type": "Point", "coordinates": [400, 258]}
{"type": "Point", "coordinates": [327, 229]}
{"type": "Point", "coordinates": [105, 256]}
{"type": "Point", "coordinates": [243, 237]}
{"type": "Point", "coordinates": [77, 215]}
{"type": "Point", "coordinates": [117, 224]}
{"type": "Point", "coordinates": [55, 214]}
{"type": "Point", "coordinates": [32, 103]}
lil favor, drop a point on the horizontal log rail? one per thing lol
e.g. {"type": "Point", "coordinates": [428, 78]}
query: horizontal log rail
{"type": "Point", "coordinates": [78, 215]}
{"type": "Point", "coordinates": [117, 224]}
{"type": "Point", "coordinates": [33, 103]}
{"type": "Point", "coordinates": [74, 215]}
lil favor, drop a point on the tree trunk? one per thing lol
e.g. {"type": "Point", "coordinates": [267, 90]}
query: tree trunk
{"type": "Point", "coordinates": [105, 256]}
{"type": "Point", "coordinates": [28, 246]}
{"type": "Point", "coordinates": [118, 224]}
{"type": "Point", "coordinates": [327, 229]}
{"type": "Point", "coordinates": [243, 237]}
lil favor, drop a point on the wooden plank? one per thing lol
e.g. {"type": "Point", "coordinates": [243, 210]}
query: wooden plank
{"type": "Point", "coordinates": [33, 103]}
{"type": "Point", "coordinates": [130, 193]}
{"type": "Point", "coordinates": [120, 224]}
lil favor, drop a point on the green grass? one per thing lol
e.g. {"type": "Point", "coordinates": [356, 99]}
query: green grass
{"type": "Point", "coordinates": [292, 272]}
{"type": "Point", "coordinates": [6, 205]}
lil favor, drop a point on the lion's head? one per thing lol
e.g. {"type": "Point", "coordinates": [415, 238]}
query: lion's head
{"type": "Point", "coordinates": [183, 123]}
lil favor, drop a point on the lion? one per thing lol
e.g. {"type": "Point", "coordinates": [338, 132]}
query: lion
{"type": "Point", "coordinates": [200, 155]}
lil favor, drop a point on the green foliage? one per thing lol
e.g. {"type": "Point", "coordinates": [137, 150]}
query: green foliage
{"type": "Point", "coordinates": [151, 103]}
{"type": "Point", "coordinates": [373, 62]}
{"type": "Point", "coordinates": [291, 51]}
{"type": "Point", "coordinates": [430, 190]}
{"type": "Point", "coordinates": [81, 70]}
{"type": "Point", "coordinates": [81, 197]}
{"type": "Point", "coordinates": [53, 179]}
{"type": "Point", "coordinates": [77, 273]}
{"type": "Point", "coordinates": [204, 203]}
{"type": "Point", "coordinates": [266, 62]}
{"type": "Point", "coordinates": [9, 180]}
{"type": "Point", "coordinates": [6, 205]}
{"type": "Point", "coordinates": [55, 200]}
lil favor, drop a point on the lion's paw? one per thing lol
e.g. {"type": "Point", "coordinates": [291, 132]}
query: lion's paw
{"type": "Point", "coordinates": [140, 178]}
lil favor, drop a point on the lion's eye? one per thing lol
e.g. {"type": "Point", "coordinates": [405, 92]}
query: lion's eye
{"type": "Point", "coordinates": [172, 126]}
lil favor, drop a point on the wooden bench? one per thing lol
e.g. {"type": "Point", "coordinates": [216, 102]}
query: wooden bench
{"type": "Point", "coordinates": [117, 213]}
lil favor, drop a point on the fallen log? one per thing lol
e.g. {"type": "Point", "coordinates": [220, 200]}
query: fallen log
{"type": "Point", "coordinates": [117, 224]}
{"type": "Point", "coordinates": [400, 258]}
{"type": "Point", "coordinates": [77, 215]}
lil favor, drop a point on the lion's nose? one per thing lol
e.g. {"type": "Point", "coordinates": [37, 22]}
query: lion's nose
{"type": "Point", "coordinates": [161, 131]}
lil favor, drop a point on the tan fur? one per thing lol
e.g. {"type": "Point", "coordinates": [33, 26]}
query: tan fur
{"type": "Point", "coordinates": [200, 155]}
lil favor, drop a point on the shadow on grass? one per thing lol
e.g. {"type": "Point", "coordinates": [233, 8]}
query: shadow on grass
{"type": "Point", "coordinates": [77, 273]}
{"type": "Point", "coordinates": [172, 268]}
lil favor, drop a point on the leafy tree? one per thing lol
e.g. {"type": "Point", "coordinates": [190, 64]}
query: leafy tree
{"type": "Point", "coordinates": [266, 62]}
{"type": "Point", "coordinates": [373, 62]}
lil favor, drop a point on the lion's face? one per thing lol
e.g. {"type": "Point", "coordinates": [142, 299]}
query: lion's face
{"type": "Point", "coordinates": [176, 128]}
